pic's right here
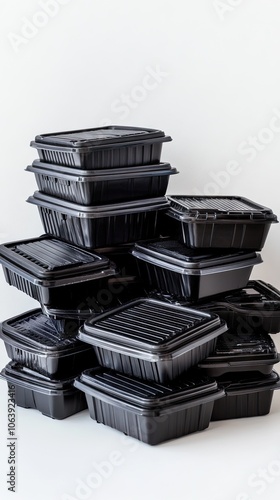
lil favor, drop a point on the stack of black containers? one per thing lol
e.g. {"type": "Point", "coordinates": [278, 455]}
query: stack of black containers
{"type": "Point", "coordinates": [146, 303]}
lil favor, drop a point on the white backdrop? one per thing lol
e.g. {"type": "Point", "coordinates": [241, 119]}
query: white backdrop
{"type": "Point", "coordinates": [207, 73]}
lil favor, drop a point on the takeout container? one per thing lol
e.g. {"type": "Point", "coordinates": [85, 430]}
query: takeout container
{"type": "Point", "coordinates": [103, 147]}
{"type": "Point", "coordinates": [54, 272]}
{"type": "Point", "coordinates": [219, 221]}
{"type": "Point", "coordinates": [99, 226]}
{"type": "Point", "coordinates": [246, 395]}
{"type": "Point", "coordinates": [57, 399]}
{"type": "Point", "coordinates": [32, 340]}
{"type": "Point", "coordinates": [95, 187]}
{"type": "Point", "coordinates": [152, 340]}
{"type": "Point", "coordinates": [149, 411]}
{"type": "Point", "coordinates": [172, 268]}
{"type": "Point", "coordinates": [241, 352]}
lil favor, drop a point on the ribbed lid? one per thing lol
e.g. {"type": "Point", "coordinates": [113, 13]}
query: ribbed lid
{"type": "Point", "coordinates": [149, 324]}
{"type": "Point", "coordinates": [215, 207]}
{"type": "Point", "coordinates": [36, 330]}
{"type": "Point", "coordinates": [47, 257]}
{"type": "Point", "coordinates": [147, 393]}
{"type": "Point", "coordinates": [98, 136]}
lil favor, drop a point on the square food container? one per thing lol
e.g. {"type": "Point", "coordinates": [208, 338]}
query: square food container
{"type": "Point", "coordinates": [32, 340]}
{"type": "Point", "coordinates": [241, 352]}
{"type": "Point", "coordinates": [254, 308]}
{"type": "Point", "coordinates": [57, 399]}
{"type": "Point", "coordinates": [148, 411]}
{"type": "Point", "coordinates": [182, 272]}
{"type": "Point", "coordinates": [112, 185]}
{"type": "Point", "coordinates": [246, 395]}
{"type": "Point", "coordinates": [99, 226]}
{"type": "Point", "coordinates": [103, 147]}
{"type": "Point", "coordinates": [219, 221]}
{"type": "Point", "coordinates": [54, 272]}
{"type": "Point", "coordinates": [152, 340]}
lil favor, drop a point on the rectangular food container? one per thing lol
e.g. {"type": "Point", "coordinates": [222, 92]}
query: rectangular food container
{"type": "Point", "coordinates": [182, 272]}
{"type": "Point", "coordinates": [219, 221]}
{"type": "Point", "coordinates": [148, 411]}
{"type": "Point", "coordinates": [254, 308]}
{"type": "Point", "coordinates": [246, 395]}
{"type": "Point", "coordinates": [57, 399]}
{"type": "Point", "coordinates": [111, 185]}
{"type": "Point", "coordinates": [241, 352]}
{"type": "Point", "coordinates": [32, 340]}
{"type": "Point", "coordinates": [103, 147]}
{"type": "Point", "coordinates": [152, 340]}
{"type": "Point", "coordinates": [54, 272]}
{"type": "Point", "coordinates": [99, 226]}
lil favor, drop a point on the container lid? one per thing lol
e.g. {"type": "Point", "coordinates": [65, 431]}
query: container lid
{"type": "Point", "coordinates": [96, 212]}
{"type": "Point", "coordinates": [174, 253]}
{"type": "Point", "coordinates": [20, 375]}
{"type": "Point", "coordinates": [238, 383]}
{"type": "Point", "coordinates": [48, 257]}
{"type": "Point", "coordinates": [78, 175]}
{"type": "Point", "coordinates": [217, 208]}
{"type": "Point", "coordinates": [35, 330]}
{"type": "Point", "coordinates": [148, 326]}
{"type": "Point", "coordinates": [149, 394]}
{"type": "Point", "coordinates": [99, 136]}
{"type": "Point", "coordinates": [241, 347]}
{"type": "Point", "coordinates": [257, 295]}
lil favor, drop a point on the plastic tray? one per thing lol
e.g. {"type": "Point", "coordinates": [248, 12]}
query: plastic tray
{"type": "Point", "coordinates": [91, 187]}
{"type": "Point", "coordinates": [219, 221]}
{"type": "Point", "coordinates": [57, 399]}
{"type": "Point", "coordinates": [246, 395]}
{"type": "Point", "coordinates": [152, 340]}
{"type": "Point", "coordinates": [54, 272]}
{"type": "Point", "coordinates": [182, 272]}
{"type": "Point", "coordinates": [119, 290]}
{"type": "Point", "coordinates": [32, 340]}
{"type": "Point", "coordinates": [255, 307]}
{"type": "Point", "coordinates": [106, 147]}
{"type": "Point", "coordinates": [99, 226]}
{"type": "Point", "coordinates": [148, 411]}
{"type": "Point", "coordinates": [241, 353]}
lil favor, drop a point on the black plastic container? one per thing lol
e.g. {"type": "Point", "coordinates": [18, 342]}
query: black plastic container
{"type": "Point", "coordinates": [32, 340]}
{"type": "Point", "coordinates": [91, 187]}
{"type": "Point", "coordinates": [57, 399]}
{"type": "Point", "coordinates": [241, 352]}
{"type": "Point", "coordinates": [103, 147]}
{"type": "Point", "coordinates": [152, 340]}
{"type": "Point", "coordinates": [148, 411]}
{"type": "Point", "coordinates": [99, 226]}
{"type": "Point", "coordinates": [246, 395]}
{"type": "Point", "coordinates": [219, 222]}
{"type": "Point", "coordinates": [54, 272]}
{"type": "Point", "coordinates": [254, 308]}
{"type": "Point", "coordinates": [172, 268]}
